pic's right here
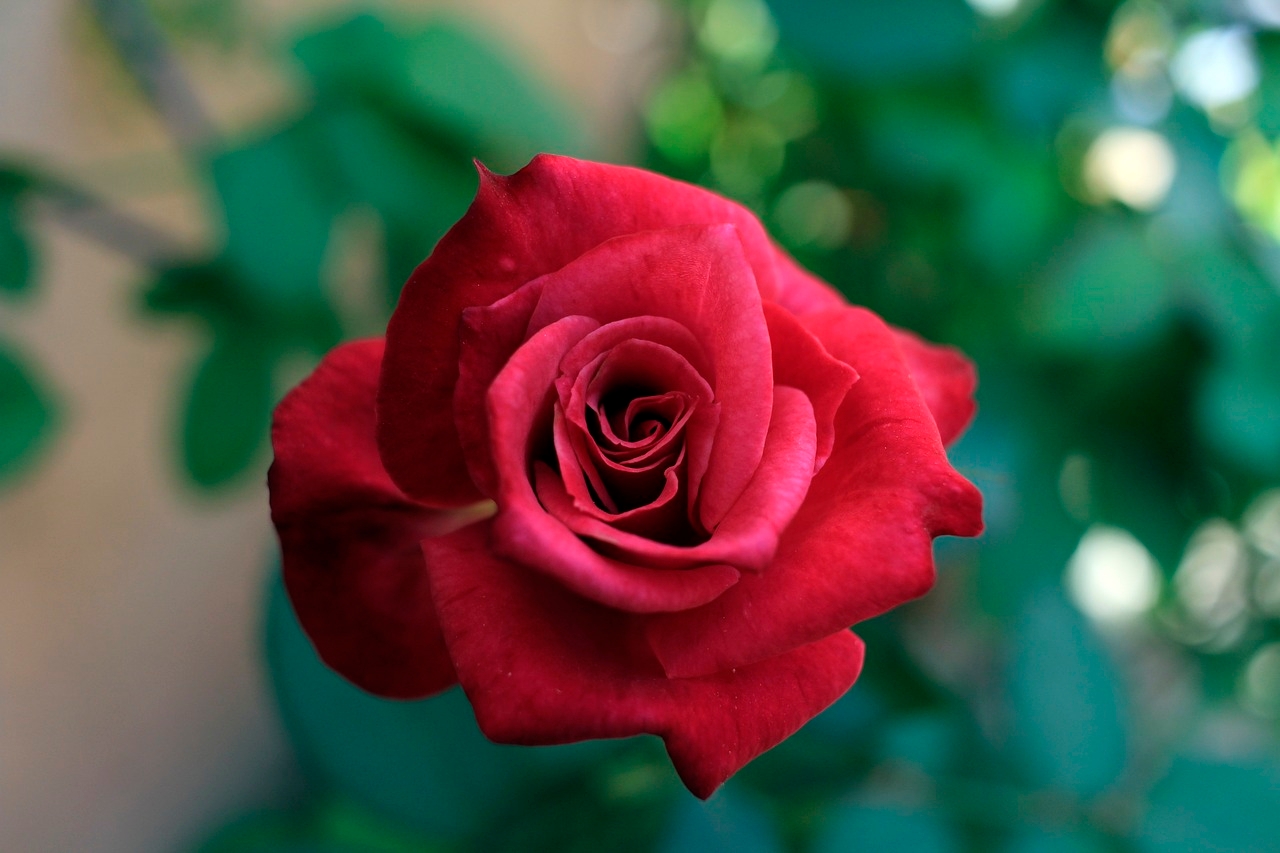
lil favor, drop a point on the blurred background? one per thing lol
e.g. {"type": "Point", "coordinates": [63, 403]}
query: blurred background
{"type": "Point", "coordinates": [199, 197]}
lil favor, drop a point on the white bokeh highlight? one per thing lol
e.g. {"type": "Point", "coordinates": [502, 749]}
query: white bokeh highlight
{"type": "Point", "coordinates": [1111, 576]}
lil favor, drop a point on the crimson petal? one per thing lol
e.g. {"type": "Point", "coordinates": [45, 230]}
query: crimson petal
{"type": "Point", "coordinates": [946, 380]}
{"type": "Point", "coordinates": [862, 542]}
{"type": "Point", "coordinates": [800, 291]}
{"type": "Point", "coordinates": [520, 400]}
{"type": "Point", "coordinates": [698, 277]}
{"type": "Point", "coordinates": [800, 361]}
{"type": "Point", "coordinates": [514, 232]}
{"type": "Point", "coordinates": [350, 539]}
{"type": "Point", "coordinates": [564, 669]}
{"type": "Point", "coordinates": [748, 537]}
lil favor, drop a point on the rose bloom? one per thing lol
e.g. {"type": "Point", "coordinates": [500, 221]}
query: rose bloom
{"type": "Point", "coordinates": [620, 466]}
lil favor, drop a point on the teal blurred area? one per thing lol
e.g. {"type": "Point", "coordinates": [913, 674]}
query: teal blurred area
{"type": "Point", "coordinates": [1083, 195]}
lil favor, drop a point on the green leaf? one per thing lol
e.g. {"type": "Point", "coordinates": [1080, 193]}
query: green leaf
{"type": "Point", "coordinates": [445, 81]}
{"type": "Point", "coordinates": [16, 259]}
{"type": "Point", "coordinates": [330, 827]}
{"type": "Point", "coordinates": [1067, 714]}
{"type": "Point", "coordinates": [1208, 806]}
{"type": "Point", "coordinates": [206, 290]}
{"type": "Point", "coordinates": [1107, 294]}
{"type": "Point", "coordinates": [883, 827]}
{"type": "Point", "coordinates": [1039, 79]}
{"type": "Point", "coordinates": [278, 215]}
{"type": "Point", "coordinates": [1229, 299]}
{"type": "Point", "coordinates": [1011, 215]}
{"type": "Point", "coordinates": [465, 83]}
{"type": "Point", "coordinates": [418, 189]}
{"type": "Point", "coordinates": [1268, 93]}
{"type": "Point", "coordinates": [620, 803]}
{"type": "Point", "coordinates": [727, 823]}
{"type": "Point", "coordinates": [423, 763]}
{"type": "Point", "coordinates": [1238, 412]}
{"type": "Point", "coordinates": [228, 410]}
{"type": "Point", "coordinates": [929, 740]}
{"type": "Point", "coordinates": [212, 291]}
{"type": "Point", "coordinates": [878, 40]}
{"type": "Point", "coordinates": [929, 143]}
{"type": "Point", "coordinates": [26, 415]}
{"type": "Point", "coordinates": [15, 179]}
{"type": "Point", "coordinates": [1036, 840]}
{"type": "Point", "coordinates": [217, 22]}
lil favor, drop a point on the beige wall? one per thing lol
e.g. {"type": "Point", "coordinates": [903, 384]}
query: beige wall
{"type": "Point", "coordinates": [134, 714]}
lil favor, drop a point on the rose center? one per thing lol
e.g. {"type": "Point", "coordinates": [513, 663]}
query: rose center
{"type": "Point", "coordinates": [633, 418]}
{"type": "Point", "coordinates": [621, 432]}
{"type": "Point", "coordinates": [633, 445]}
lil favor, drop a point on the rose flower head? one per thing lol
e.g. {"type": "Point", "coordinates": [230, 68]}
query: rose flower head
{"type": "Point", "coordinates": [620, 466]}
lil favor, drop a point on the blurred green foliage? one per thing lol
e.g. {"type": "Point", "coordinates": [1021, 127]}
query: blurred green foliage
{"type": "Point", "coordinates": [397, 112]}
{"type": "Point", "coordinates": [1084, 195]}
{"type": "Point", "coordinates": [27, 413]}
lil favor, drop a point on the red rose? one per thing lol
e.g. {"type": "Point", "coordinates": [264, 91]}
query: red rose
{"type": "Point", "coordinates": [620, 467]}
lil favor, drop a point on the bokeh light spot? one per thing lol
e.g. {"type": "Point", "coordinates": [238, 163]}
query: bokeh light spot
{"type": "Point", "coordinates": [1111, 576]}
{"type": "Point", "coordinates": [683, 116]}
{"type": "Point", "coordinates": [995, 8]}
{"type": "Point", "coordinates": [738, 30]}
{"type": "Point", "coordinates": [1260, 682]}
{"type": "Point", "coordinates": [1211, 585]}
{"type": "Point", "coordinates": [745, 155]}
{"type": "Point", "coordinates": [1132, 165]}
{"type": "Point", "coordinates": [1262, 523]}
{"type": "Point", "coordinates": [814, 213]}
{"type": "Point", "coordinates": [1216, 67]}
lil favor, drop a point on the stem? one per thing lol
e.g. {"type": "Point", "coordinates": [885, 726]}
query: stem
{"type": "Point", "coordinates": [98, 220]}
{"type": "Point", "coordinates": [145, 54]}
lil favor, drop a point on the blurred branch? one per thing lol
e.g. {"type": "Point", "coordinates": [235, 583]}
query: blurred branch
{"type": "Point", "coordinates": [98, 220]}
{"type": "Point", "coordinates": [148, 58]}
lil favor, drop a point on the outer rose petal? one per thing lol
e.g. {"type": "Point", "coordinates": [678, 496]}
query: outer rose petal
{"type": "Point", "coordinates": [518, 228]}
{"type": "Point", "coordinates": [563, 669]}
{"type": "Point", "coordinates": [799, 360]}
{"type": "Point", "coordinates": [487, 335]}
{"type": "Point", "coordinates": [946, 380]}
{"type": "Point", "coordinates": [862, 542]}
{"type": "Point", "coordinates": [800, 291]}
{"type": "Point", "coordinates": [352, 562]}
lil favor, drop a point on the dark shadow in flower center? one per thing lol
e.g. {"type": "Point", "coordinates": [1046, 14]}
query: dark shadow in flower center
{"type": "Point", "coordinates": [628, 425]}
{"type": "Point", "coordinates": [621, 432]}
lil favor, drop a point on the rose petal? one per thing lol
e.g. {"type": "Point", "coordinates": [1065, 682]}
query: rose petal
{"type": "Point", "coordinates": [579, 476]}
{"type": "Point", "coordinates": [514, 232]}
{"type": "Point", "coordinates": [417, 436]}
{"type": "Point", "coordinates": [700, 432]}
{"type": "Point", "coordinates": [563, 669]}
{"type": "Point", "coordinates": [350, 539]}
{"type": "Point", "coordinates": [659, 330]}
{"type": "Point", "coordinates": [697, 276]}
{"type": "Point", "coordinates": [800, 360]}
{"type": "Point", "coordinates": [748, 536]}
{"type": "Point", "coordinates": [800, 291]}
{"type": "Point", "coordinates": [633, 362]}
{"type": "Point", "coordinates": [519, 402]}
{"type": "Point", "coordinates": [946, 380]}
{"type": "Point", "coordinates": [644, 429]}
{"type": "Point", "coordinates": [663, 517]}
{"type": "Point", "coordinates": [862, 542]}
{"type": "Point", "coordinates": [488, 335]}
